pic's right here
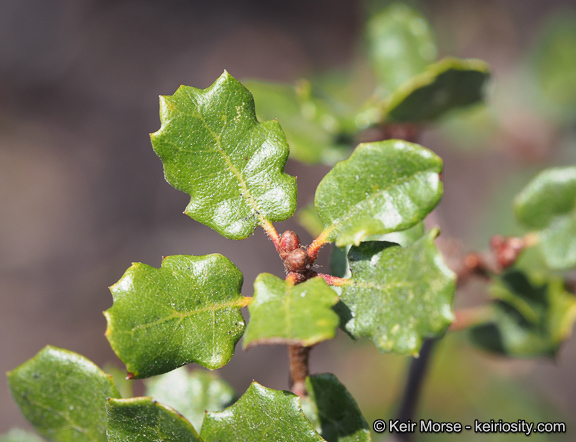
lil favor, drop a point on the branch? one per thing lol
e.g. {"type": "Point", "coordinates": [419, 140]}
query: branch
{"type": "Point", "coordinates": [412, 390]}
{"type": "Point", "coordinates": [298, 356]}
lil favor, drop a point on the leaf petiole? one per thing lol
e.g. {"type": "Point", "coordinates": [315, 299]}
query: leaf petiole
{"type": "Point", "coordinates": [317, 244]}
{"type": "Point", "coordinates": [335, 280]}
{"type": "Point", "coordinates": [271, 232]}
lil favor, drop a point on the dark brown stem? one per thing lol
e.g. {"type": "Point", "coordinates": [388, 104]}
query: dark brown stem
{"type": "Point", "coordinates": [299, 356]}
{"type": "Point", "coordinates": [417, 372]}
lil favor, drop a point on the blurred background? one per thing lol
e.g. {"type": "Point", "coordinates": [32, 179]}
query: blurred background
{"type": "Point", "coordinates": [82, 193]}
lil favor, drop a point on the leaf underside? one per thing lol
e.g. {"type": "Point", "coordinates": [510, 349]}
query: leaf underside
{"type": "Point", "coordinates": [445, 85]}
{"type": "Point", "coordinates": [232, 166]}
{"type": "Point", "coordinates": [397, 296]}
{"type": "Point", "coordinates": [186, 311]}
{"type": "Point", "coordinates": [383, 187]}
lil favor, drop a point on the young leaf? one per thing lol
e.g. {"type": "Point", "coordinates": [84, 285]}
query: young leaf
{"type": "Point", "coordinates": [548, 204]}
{"type": "Point", "coordinates": [446, 85]}
{"type": "Point", "coordinates": [532, 316]}
{"type": "Point", "coordinates": [383, 187]}
{"type": "Point", "coordinates": [191, 393]}
{"type": "Point", "coordinates": [261, 414]}
{"type": "Point", "coordinates": [142, 419]}
{"type": "Point", "coordinates": [333, 411]}
{"type": "Point", "coordinates": [214, 149]}
{"type": "Point", "coordinates": [186, 311]}
{"type": "Point", "coordinates": [63, 395]}
{"type": "Point", "coordinates": [313, 130]}
{"type": "Point", "coordinates": [400, 44]}
{"type": "Point", "coordinates": [398, 295]}
{"type": "Point", "coordinates": [281, 312]}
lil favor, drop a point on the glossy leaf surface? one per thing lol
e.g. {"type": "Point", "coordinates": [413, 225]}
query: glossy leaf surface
{"type": "Point", "coordinates": [383, 187]}
{"type": "Point", "coordinates": [186, 311]}
{"type": "Point", "coordinates": [333, 411]}
{"type": "Point", "coordinates": [283, 313]}
{"type": "Point", "coordinates": [532, 316]}
{"type": "Point", "coordinates": [63, 395]}
{"type": "Point", "coordinates": [191, 393]}
{"type": "Point", "coordinates": [261, 414]}
{"type": "Point", "coordinates": [398, 296]}
{"type": "Point", "coordinates": [400, 45]}
{"type": "Point", "coordinates": [312, 128]}
{"type": "Point", "coordinates": [446, 85]}
{"type": "Point", "coordinates": [232, 166]}
{"type": "Point", "coordinates": [548, 204]}
{"type": "Point", "coordinates": [142, 419]}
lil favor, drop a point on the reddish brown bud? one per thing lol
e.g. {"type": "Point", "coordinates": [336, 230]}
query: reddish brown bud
{"type": "Point", "coordinates": [297, 261]}
{"type": "Point", "coordinates": [506, 249]}
{"type": "Point", "coordinates": [289, 241]}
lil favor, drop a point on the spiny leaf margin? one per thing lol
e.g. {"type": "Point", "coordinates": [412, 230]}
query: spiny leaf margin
{"type": "Point", "coordinates": [186, 311]}
{"type": "Point", "coordinates": [284, 313]}
{"type": "Point", "coordinates": [397, 296]}
{"type": "Point", "coordinates": [261, 414]}
{"type": "Point", "coordinates": [232, 166]}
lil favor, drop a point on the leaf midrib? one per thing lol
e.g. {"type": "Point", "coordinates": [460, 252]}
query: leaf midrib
{"type": "Point", "coordinates": [212, 308]}
{"type": "Point", "coordinates": [244, 186]}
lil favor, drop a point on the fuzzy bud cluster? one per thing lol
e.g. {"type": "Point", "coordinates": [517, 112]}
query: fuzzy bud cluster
{"type": "Point", "coordinates": [295, 258]}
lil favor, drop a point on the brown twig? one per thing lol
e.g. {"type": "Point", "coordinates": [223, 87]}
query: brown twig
{"type": "Point", "coordinates": [299, 356]}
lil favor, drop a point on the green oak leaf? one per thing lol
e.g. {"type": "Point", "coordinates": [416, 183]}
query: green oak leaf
{"type": "Point", "coordinates": [284, 313]}
{"type": "Point", "coordinates": [445, 85]}
{"type": "Point", "coordinates": [383, 187]}
{"type": "Point", "coordinates": [532, 316]}
{"type": "Point", "coordinates": [142, 419]}
{"type": "Point", "coordinates": [400, 44]}
{"type": "Point", "coordinates": [548, 205]}
{"type": "Point", "coordinates": [554, 64]}
{"type": "Point", "coordinates": [261, 414]}
{"type": "Point", "coordinates": [313, 128]}
{"type": "Point", "coordinates": [232, 166]}
{"type": "Point", "coordinates": [398, 296]}
{"type": "Point", "coordinates": [191, 393]}
{"type": "Point", "coordinates": [186, 311]}
{"type": "Point", "coordinates": [333, 411]}
{"type": "Point", "coordinates": [63, 395]}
